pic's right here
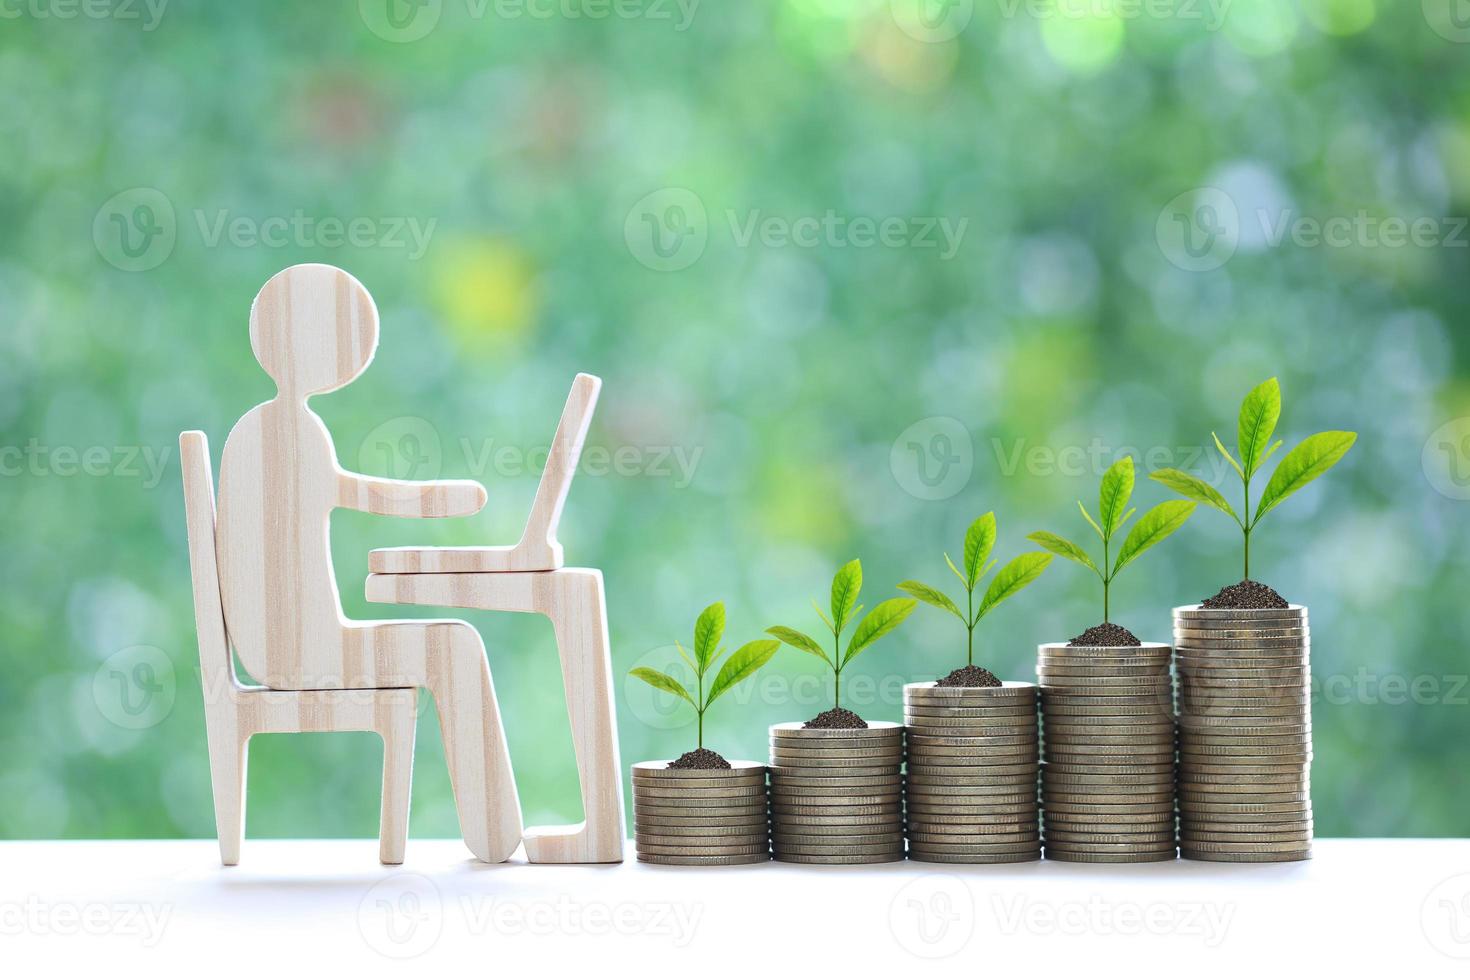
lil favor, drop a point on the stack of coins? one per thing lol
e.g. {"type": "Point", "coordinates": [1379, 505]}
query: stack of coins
{"type": "Point", "coordinates": [701, 816]}
{"type": "Point", "coordinates": [1107, 777]}
{"type": "Point", "coordinates": [970, 791]}
{"type": "Point", "coordinates": [835, 794]}
{"type": "Point", "coordinates": [1245, 734]}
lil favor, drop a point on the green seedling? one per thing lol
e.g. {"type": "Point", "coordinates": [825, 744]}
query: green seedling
{"type": "Point", "coordinates": [1020, 572]}
{"type": "Point", "coordinates": [707, 651]}
{"type": "Point", "coordinates": [884, 618]}
{"type": "Point", "coordinates": [1259, 414]}
{"type": "Point", "coordinates": [1113, 512]}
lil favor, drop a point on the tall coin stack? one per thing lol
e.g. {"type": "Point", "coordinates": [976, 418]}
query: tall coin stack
{"type": "Point", "coordinates": [1107, 776]}
{"type": "Point", "coordinates": [1245, 734]}
{"type": "Point", "coordinates": [835, 794]}
{"type": "Point", "coordinates": [970, 791]}
{"type": "Point", "coordinates": [701, 816]}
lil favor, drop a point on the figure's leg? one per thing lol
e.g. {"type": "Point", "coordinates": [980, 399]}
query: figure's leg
{"type": "Point", "coordinates": [578, 615]}
{"type": "Point", "coordinates": [227, 762]}
{"type": "Point", "coordinates": [449, 659]}
{"type": "Point", "coordinates": [398, 739]}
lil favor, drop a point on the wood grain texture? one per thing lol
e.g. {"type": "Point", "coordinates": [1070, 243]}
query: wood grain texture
{"type": "Point", "coordinates": [538, 548]}
{"type": "Point", "coordinates": [573, 599]}
{"type": "Point", "coordinates": [314, 328]}
{"type": "Point", "coordinates": [234, 712]}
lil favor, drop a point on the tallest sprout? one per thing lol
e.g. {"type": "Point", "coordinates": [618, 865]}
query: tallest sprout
{"type": "Point", "coordinates": [1259, 414]}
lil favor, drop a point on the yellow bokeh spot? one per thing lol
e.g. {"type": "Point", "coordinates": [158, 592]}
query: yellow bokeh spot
{"type": "Point", "coordinates": [1083, 40]}
{"type": "Point", "coordinates": [485, 291]}
{"type": "Point", "coordinates": [1340, 17]}
{"type": "Point", "coordinates": [908, 64]}
{"type": "Point", "coordinates": [1261, 27]}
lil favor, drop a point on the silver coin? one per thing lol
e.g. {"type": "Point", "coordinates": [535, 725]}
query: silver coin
{"type": "Point", "coordinates": [1266, 858]}
{"type": "Point", "coordinates": [879, 809]}
{"type": "Point", "coordinates": [886, 858]}
{"type": "Point", "coordinates": [681, 796]}
{"type": "Point", "coordinates": [1102, 685]}
{"type": "Point", "coordinates": [1144, 838]}
{"type": "Point", "coordinates": [659, 769]}
{"type": "Point", "coordinates": [1106, 811]}
{"type": "Point", "coordinates": [684, 815]}
{"type": "Point", "coordinates": [683, 785]}
{"type": "Point", "coordinates": [976, 789]}
{"type": "Point", "coordinates": [925, 830]}
{"type": "Point", "coordinates": [836, 849]}
{"type": "Point", "coordinates": [1255, 847]}
{"type": "Point", "coordinates": [1184, 630]}
{"type": "Point", "coordinates": [835, 771]}
{"type": "Point", "coordinates": [722, 841]}
{"type": "Point", "coordinates": [1085, 857]}
{"type": "Point", "coordinates": [944, 765]}
{"type": "Point", "coordinates": [887, 837]}
{"type": "Point", "coordinates": [1126, 673]}
{"type": "Point", "coordinates": [747, 825]}
{"type": "Point", "coordinates": [1193, 777]}
{"type": "Point", "coordinates": [788, 820]}
{"type": "Point", "coordinates": [1118, 823]}
{"type": "Point", "coordinates": [944, 805]}
{"type": "Point", "coordinates": [1194, 798]}
{"type": "Point", "coordinates": [779, 758]}
{"type": "Point", "coordinates": [1197, 839]}
{"type": "Point", "coordinates": [719, 860]}
{"type": "Point", "coordinates": [1247, 831]}
{"type": "Point", "coordinates": [932, 690]}
{"type": "Point", "coordinates": [1132, 732]}
{"type": "Point", "coordinates": [1048, 799]}
{"type": "Point", "coordinates": [1065, 698]}
{"type": "Point", "coordinates": [1150, 780]}
{"type": "Point", "coordinates": [1067, 649]}
{"type": "Point", "coordinates": [1225, 659]}
{"type": "Point", "coordinates": [1026, 709]}
{"type": "Point", "coordinates": [939, 857]}
{"type": "Point", "coordinates": [1197, 741]}
{"type": "Point", "coordinates": [845, 799]}
{"type": "Point", "coordinates": [1204, 612]}
{"type": "Point", "coordinates": [1101, 759]}
{"type": "Point", "coordinates": [679, 850]}
{"type": "Point", "coordinates": [1155, 769]}
{"type": "Point", "coordinates": [921, 800]}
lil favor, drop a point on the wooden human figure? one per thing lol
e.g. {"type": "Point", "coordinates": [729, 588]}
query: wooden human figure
{"type": "Point", "coordinates": [314, 329]}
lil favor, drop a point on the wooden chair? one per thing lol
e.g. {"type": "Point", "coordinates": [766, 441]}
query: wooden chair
{"type": "Point", "coordinates": [233, 712]}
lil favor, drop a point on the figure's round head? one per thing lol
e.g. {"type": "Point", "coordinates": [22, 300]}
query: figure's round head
{"type": "Point", "coordinates": [313, 328]}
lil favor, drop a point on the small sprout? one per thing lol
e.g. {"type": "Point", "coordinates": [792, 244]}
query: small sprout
{"type": "Point", "coordinates": [1259, 414]}
{"type": "Point", "coordinates": [1015, 576]}
{"type": "Point", "coordinates": [737, 667]}
{"type": "Point", "coordinates": [882, 620]}
{"type": "Point", "coordinates": [1113, 513]}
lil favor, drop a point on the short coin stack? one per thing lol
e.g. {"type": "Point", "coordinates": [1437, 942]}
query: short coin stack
{"type": "Point", "coordinates": [1107, 778]}
{"type": "Point", "coordinates": [835, 794]}
{"type": "Point", "coordinates": [970, 792]}
{"type": "Point", "coordinates": [1245, 734]}
{"type": "Point", "coordinates": [701, 816]}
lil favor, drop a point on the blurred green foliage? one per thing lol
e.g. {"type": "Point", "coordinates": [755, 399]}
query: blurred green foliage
{"type": "Point", "coordinates": [854, 272]}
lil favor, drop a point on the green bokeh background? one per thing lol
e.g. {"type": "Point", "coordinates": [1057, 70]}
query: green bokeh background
{"type": "Point", "coordinates": [1067, 325]}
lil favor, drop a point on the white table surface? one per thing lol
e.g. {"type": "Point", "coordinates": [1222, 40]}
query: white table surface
{"type": "Point", "coordinates": [1361, 908]}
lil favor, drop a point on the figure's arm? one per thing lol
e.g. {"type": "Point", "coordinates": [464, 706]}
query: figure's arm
{"type": "Point", "coordinates": [409, 498]}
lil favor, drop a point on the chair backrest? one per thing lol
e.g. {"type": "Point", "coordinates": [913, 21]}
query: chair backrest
{"type": "Point", "coordinates": [216, 670]}
{"type": "Point", "coordinates": [561, 461]}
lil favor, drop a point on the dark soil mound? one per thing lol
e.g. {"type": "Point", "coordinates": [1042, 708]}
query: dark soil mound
{"type": "Point", "coordinates": [700, 759]}
{"type": "Point", "coordinates": [836, 718]}
{"type": "Point", "coordinates": [1105, 635]}
{"type": "Point", "coordinates": [970, 676]}
{"type": "Point", "coordinates": [1246, 594]}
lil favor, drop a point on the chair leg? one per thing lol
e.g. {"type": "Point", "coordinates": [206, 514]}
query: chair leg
{"type": "Point", "coordinates": [398, 742]}
{"type": "Point", "coordinates": [227, 764]}
{"type": "Point", "coordinates": [580, 624]}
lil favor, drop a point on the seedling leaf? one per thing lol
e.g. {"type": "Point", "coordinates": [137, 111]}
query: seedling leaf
{"type": "Point", "coordinates": [846, 585]}
{"type": "Point", "coordinates": [979, 539]}
{"type": "Point", "coordinates": [1058, 545]}
{"type": "Point", "coordinates": [1191, 486]}
{"type": "Point", "coordinates": [1018, 573]}
{"type": "Point", "coordinates": [1153, 527]}
{"type": "Point", "coordinates": [707, 632]}
{"type": "Point", "coordinates": [883, 619]}
{"type": "Point", "coordinates": [957, 573]}
{"type": "Point", "coordinates": [663, 682]}
{"type": "Point", "coordinates": [1259, 414]}
{"type": "Point", "coordinates": [1112, 497]}
{"type": "Point", "coordinates": [1316, 455]}
{"type": "Point", "coordinates": [800, 641]}
{"type": "Point", "coordinates": [1095, 526]}
{"type": "Point", "coordinates": [740, 665]}
{"type": "Point", "coordinates": [932, 596]}
{"type": "Point", "coordinates": [1228, 458]}
{"type": "Point", "coordinates": [687, 659]}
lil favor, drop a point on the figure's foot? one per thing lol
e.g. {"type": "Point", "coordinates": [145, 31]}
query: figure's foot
{"type": "Point", "coordinates": [573, 844]}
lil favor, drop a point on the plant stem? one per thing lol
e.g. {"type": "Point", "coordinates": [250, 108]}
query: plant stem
{"type": "Point", "coordinates": [699, 713]}
{"type": "Point", "coordinates": [1246, 524]}
{"type": "Point", "coordinates": [970, 628]}
{"type": "Point", "coordinates": [836, 668]}
{"type": "Point", "coordinates": [1107, 579]}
